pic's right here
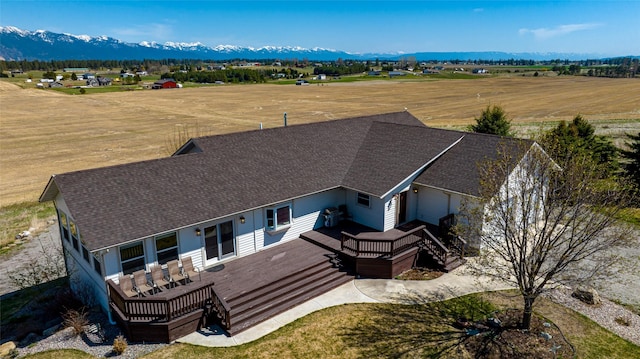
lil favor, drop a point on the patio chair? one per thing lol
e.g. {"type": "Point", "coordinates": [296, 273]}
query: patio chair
{"type": "Point", "coordinates": [126, 286]}
{"type": "Point", "coordinates": [141, 283]}
{"type": "Point", "coordinates": [189, 270]}
{"type": "Point", "coordinates": [175, 274]}
{"type": "Point", "coordinates": [158, 278]}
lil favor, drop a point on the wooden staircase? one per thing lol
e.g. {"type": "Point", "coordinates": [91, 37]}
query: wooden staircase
{"type": "Point", "coordinates": [447, 256]}
{"type": "Point", "coordinates": [318, 275]}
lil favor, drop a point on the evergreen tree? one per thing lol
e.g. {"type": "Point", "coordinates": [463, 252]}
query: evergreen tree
{"type": "Point", "coordinates": [632, 167]}
{"type": "Point", "coordinates": [579, 136]}
{"type": "Point", "coordinates": [493, 120]}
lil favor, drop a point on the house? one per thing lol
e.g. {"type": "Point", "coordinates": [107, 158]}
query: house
{"type": "Point", "coordinates": [99, 81]}
{"type": "Point", "coordinates": [75, 69]}
{"type": "Point", "coordinates": [259, 212]}
{"type": "Point", "coordinates": [397, 73]}
{"type": "Point", "coordinates": [88, 76]}
{"type": "Point", "coordinates": [322, 77]}
{"type": "Point", "coordinates": [479, 71]}
{"type": "Point", "coordinates": [165, 84]}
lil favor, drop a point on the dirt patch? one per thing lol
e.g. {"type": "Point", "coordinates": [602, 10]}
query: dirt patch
{"type": "Point", "coordinates": [419, 273]}
{"type": "Point", "coordinates": [500, 337]}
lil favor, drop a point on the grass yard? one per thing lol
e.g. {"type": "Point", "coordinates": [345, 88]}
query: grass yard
{"type": "Point", "coordinates": [394, 331]}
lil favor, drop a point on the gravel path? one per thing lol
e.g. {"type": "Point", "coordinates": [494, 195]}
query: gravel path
{"type": "Point", "coordinates": [31, 250]}
{"type": "Point", "coordinates": [90, 342]}
{"type": "Point", "coordinates": [604, 314]}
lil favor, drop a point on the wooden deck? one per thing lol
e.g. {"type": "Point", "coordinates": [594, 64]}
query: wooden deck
{"type": "Point", "coordinates": [384, 254]}
{"type": "Point", "coordinates": [236, 294]}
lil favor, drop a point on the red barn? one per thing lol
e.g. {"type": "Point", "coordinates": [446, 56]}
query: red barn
{"type": "Point", "coordinates": [165, 84]}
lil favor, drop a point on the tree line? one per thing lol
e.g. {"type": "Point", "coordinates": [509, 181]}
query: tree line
{"type": "Point", "coordinates": [228, 75]}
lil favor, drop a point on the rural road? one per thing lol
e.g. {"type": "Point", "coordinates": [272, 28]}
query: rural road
{"type": "Point", "coordinates": [47, 242]}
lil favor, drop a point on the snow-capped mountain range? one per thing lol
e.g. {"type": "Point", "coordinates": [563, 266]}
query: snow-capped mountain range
{"type": "Point", "coordinates": [17, 44]}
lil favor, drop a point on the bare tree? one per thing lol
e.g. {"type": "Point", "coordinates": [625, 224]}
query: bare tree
{"type": "Point", "coordinates": [548, 224]}
{"type": "Point", "coordinates": [183, 133]}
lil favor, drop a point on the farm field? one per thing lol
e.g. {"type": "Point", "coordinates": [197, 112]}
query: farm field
{"type": "Point", "coordinates": [43, 132]}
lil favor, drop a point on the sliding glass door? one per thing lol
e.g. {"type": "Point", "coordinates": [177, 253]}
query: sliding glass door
{"type": "Point", "coordinates": [219, 242]}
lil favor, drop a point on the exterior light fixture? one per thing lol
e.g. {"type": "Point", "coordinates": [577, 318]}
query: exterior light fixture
{"type": "Point", "coordinates": [242, 219]}
{"type": "Point", "coordinates": [415, 189]}
{"type": "Point", "coordinates": [198, 231]}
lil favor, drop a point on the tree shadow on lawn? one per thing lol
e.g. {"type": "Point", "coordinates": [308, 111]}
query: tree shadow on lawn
{"type": "Point", "coordinates": [464, 327]}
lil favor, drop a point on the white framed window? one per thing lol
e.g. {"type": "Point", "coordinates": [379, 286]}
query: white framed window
{"type": "Point", "coordinates": [74, 235]}
{"type": "Point", "coordinates": [85, 254]}
{"type": "Point", "coordinates": [132, 257]}
{"type": "Point", "coordinates": [96, 265]}
{"type": "Point", "coordinates": [64, 224]}
{"type": "Point", "coordinates": [167, 247]}
{"type": "Point", "coordinates": [363, 199]}
{"type": "Point", "coordinates": [278, 218]}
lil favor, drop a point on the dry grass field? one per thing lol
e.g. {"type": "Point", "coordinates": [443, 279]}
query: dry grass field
{"type": "Point", "coordinates": [43, 132]}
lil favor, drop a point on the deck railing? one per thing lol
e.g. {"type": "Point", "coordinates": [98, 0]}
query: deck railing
{"type": "Point", "coordinates": [222, 308]}
{"type": "Point", "coordinates": [439, 250]}
{"type": "Point", "coordinates": [163, 306]}
{"type": "Point", "coordinates": [373, 244]}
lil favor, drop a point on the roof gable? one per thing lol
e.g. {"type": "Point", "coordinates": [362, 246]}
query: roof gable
{"type": "Point", "coordinates": [458, 169]}
{"type": "Point", "coordinates": [390, 153]}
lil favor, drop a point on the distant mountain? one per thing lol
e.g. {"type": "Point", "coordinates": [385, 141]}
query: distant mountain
{"type": "Point", "coordinates": [17, 44]}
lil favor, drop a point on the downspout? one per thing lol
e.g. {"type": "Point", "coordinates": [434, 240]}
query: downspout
{"type": "Point", "coordinates": [109, 318]}
{"type": "Point", "coordinates": [255, 240]}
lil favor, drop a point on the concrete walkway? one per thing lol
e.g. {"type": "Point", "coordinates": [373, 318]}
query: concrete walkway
{"type": "Point", "coordinates": [449, 285]}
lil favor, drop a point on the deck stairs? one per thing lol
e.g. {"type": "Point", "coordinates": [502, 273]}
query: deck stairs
{"type": "Point", "coordinates": [282, 293]}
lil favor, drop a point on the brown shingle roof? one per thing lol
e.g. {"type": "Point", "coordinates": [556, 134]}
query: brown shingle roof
{"type": "Point", "coordinates": [458, 169]}
{"type": "Point", "coordinates": [240, 171]}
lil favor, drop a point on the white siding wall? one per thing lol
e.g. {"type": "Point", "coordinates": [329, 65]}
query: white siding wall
{"type": "Point", "coordinates": [434, 204]}
{"type": "Point", "coordinates": [189, 245]}
{"type": "Point", "coordinates": [258, 229]}
{"type": "Point", "coordinates": [83, 277]}
{"type": "Point", "coordinates": [390, 213]}
{"type": "Point", "coordinates": [372, 216]}
{"type": "Point", "coordinates": [306, 215]}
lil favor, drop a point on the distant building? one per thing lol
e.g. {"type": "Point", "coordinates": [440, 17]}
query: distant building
{"type": "Point", "coordinates": [396, 73]}
{"type": "Point", "coordinates": [164, 84]}
{"type": "Point", "coordinates": [75, 69]}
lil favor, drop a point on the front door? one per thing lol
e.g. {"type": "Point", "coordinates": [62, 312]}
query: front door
{"type": "Point", "coordinates": [402, 208]}
{"type": "Point", "coordinates": [219, 242]}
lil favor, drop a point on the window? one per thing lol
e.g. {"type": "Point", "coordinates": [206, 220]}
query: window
{"type": "Point", "coordinates": [64, 225]}
{"type": "Point", "coordinates": [278, 218]}
{"type": "Point", "coordinates": [132, 257]}
{"type": "Point", "coordinates": [96, 265]}
{"type": "Point", "coordinates": [167, 247]}
{"type": "Point", "coordinates": [85, 254]}
{"type": "Point", "coordinates": [74, 235]}
{"type": "Point", "coordinates": [363, 199]}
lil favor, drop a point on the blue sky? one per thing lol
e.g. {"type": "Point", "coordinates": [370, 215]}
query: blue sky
{"type": "Point", "coordinates": [608, 27]}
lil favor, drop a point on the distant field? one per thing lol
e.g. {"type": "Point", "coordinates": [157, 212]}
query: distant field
{"type": "Point", "coordinates": [45, 132]}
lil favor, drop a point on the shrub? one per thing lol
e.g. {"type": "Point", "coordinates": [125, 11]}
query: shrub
{"type": "Point", "coordinates": [623, 321]}
{"type": "Point", "coordinates": [119, 344]}
{"type": "Point", "coordinates": [76, 319]}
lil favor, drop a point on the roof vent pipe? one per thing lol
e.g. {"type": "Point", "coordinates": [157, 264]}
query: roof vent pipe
{"type": "Point", "coordinates": [261, 125]}
{"type": "Point", "coordinates": [285, 119]}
